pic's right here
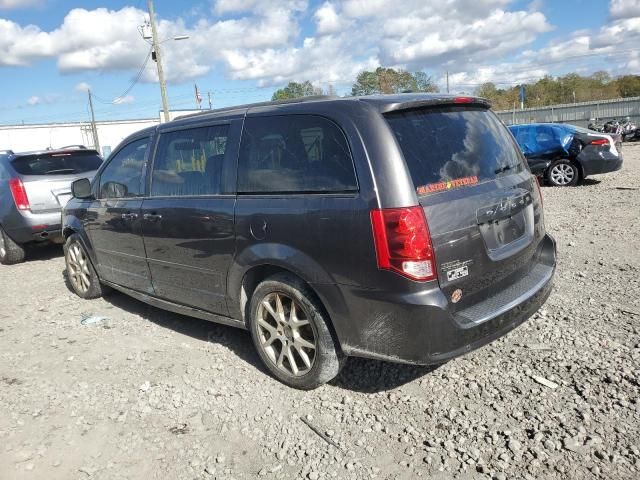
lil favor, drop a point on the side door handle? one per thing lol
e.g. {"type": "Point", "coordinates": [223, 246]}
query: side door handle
{"type": "Point", "coordinates": [129, 216]}
{"type": "Point", "coordinates": [152, 217]}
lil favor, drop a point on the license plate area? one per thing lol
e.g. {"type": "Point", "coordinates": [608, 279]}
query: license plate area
{"type": "Point", "coordinates": [507, 226]}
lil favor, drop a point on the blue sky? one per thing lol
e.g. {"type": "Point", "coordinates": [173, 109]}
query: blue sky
{"type": "Point", "coordinates": [242, 50]}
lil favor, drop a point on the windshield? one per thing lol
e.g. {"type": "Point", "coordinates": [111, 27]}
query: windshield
{"type": "Point", "coordinates": [62, 163]}
{"type": "Point", "coordinates": [454, 146]}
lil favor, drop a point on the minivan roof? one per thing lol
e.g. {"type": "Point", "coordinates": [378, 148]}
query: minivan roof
{"type": "Point", "coordinates": [384, 103]}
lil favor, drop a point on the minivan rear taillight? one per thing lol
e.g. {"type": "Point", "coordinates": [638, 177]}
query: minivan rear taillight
{"type": "Point", "coordinates": [403, 242]}
{"type": "Point", "coordinates": [19, 194]}
{"type": "Point", "coordinates": [539, 191]}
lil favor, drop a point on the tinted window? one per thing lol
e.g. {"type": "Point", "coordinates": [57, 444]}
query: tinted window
{"type": "Point", "coordinates": [294, 153]}
{"type": "Point", "coordinates": [121, 178]}
{"type": "Point", "coordinates": [62, 163]}
{"type": "Point", "coordinates": [463, 144]}
{"type": "Point", "coordinates": [189, 162]}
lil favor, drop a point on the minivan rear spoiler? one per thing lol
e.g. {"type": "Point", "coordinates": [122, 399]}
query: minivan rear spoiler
{"type": "Point", "coordinates": [433, 101]}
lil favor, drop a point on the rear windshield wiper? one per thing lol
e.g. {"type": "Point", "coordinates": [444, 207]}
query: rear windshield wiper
{"type": "Point", "coordinates": [60, 170]}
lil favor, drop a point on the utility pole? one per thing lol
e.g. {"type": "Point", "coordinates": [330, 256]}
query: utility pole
{"type": "Point", "coordinates": [210, 104]}
{"type": "Point", "coordinates": [447, 81]}
{"type": "Point", "coordinates": [94, 129]}
{"type": "Point", "coordinates": [156, 49]}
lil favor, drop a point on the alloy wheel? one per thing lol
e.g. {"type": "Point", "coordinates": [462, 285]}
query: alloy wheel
{"type": "Point", "coordinates": [3, 246]}
{"type": "Point", "coordinates": [78, 265]}
{"type": "Point", "coordinates": [562, 174]}
{"type": "Point", "coordinates": [285, 334]}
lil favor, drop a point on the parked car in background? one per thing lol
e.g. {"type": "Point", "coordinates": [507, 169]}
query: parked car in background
{"type": "Point", "coordinates": [563, 155]}
{"type": "Point", "coordinates": [404, 228]}
{"type": "Point", "coordinates": [34, 186]}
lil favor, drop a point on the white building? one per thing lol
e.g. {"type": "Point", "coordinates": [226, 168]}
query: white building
{"type": "Point", "coordinates": [22, 138]}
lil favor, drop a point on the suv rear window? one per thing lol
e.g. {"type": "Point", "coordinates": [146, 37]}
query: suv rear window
{"type": "Point", "coordinates": [59, 163]}
{"type": "Point", "coordinates": [454, 145]}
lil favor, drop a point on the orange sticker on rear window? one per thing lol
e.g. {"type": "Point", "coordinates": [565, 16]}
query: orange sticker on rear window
{"type": "Point", "coordinates": [448, 185]}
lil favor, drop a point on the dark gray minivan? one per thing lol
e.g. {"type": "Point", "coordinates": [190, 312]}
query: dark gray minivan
{"type": "Point", "coordinates": [405, 228]}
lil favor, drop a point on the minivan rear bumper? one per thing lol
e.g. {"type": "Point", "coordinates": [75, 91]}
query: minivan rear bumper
{"type": "Point", "coordinates": [420, 328]}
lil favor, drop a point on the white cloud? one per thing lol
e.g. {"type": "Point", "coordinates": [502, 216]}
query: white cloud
{"type": "Point", "coordinates": [262, 41]}
{"type": "Point", "coordinates": [328, 20]}
{"type": "Point", "coordinates": [222, 7]}
{"type": "Point", "coordinates": [624, 8]}
{"type": "Point", "coordinates": [10, 4]}
{"type": "Point", "coordinates": [82, 87]}
{"type": "Point", "coordinates": [414, 40]}
{"type": "Point", "coordinates": [41, 100]}
{"type": "Point", "coordinates": [124, 100]}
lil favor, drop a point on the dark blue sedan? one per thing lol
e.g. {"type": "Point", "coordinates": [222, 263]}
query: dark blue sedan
{"type": "Point", "coordinates": [565, 154]}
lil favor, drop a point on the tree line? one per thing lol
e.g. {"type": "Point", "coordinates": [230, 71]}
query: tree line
{"type": "Point", "coordinates": [380, 80]}
{"type": "Point", "coordinates": [546, 91]}
{"type": "Point", "coordinates": [569, 88]}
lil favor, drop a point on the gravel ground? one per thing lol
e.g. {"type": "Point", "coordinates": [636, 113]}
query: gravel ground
{"type": "Point", "coordinates": [151, 394]}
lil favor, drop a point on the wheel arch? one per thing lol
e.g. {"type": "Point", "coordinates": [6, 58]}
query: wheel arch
{"type": "Point", "coordinates": [67, 232]}
{"type": "Point", "coordinates": [256, 274]}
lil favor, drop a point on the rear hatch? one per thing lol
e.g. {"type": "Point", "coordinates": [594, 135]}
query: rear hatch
{"type": "Point", "coordinates": [482, 204]}
{"type": "Point", "coordinates": [47, 176]}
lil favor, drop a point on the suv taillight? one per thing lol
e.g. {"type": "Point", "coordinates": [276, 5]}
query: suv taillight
{"type": "Point", "coordinates": [19, 194]}
{"type": "Point", "coordinates": [600, 141]}
{"type": "Point", "coordinates": [403, 242]}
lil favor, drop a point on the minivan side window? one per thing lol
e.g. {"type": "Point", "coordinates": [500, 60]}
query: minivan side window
{"type": "Point", "coordinates": [189, 162]}
{"type": "Point", "coordinates": [121, 178]}
{"type": "Point", "coordinates": [294, 154]}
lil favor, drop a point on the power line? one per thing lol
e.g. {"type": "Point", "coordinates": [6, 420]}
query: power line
{"type": "Point", "coordinates": [134, 82]}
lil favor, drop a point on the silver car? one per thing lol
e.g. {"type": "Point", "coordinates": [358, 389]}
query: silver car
{"type": "Point", "coordinates": [34, 186]}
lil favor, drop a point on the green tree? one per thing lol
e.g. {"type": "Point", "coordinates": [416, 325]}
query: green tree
{"type": "Point", "coordinates": [296, 90]}
{"type": "Point", "coordinates": [628, 85]}
{"type": "Point", "coordinates": [489, 91]}
{"type": "Point", "coordinates": [389, 80]}
{"type": "Point", "coordinates": [424, 83]}
{"type": "Point", "coordinates": [501, 99]}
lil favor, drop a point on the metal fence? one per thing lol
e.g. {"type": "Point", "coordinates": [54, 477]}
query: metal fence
{"type": "Point", "coordinates": [575, 113]}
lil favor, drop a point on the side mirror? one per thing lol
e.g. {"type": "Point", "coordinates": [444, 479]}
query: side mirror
{"type": "Point", "coordinates": [81, 188]}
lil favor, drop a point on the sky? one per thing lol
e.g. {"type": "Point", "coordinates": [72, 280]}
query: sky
{"type": "Point", "coordinates": [52, 51]}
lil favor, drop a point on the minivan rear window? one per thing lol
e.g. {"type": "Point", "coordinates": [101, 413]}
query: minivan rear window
{"type": "Point", "coordinates": [454, 146]}
{"type": "Point", "coordinates": [59, 163]}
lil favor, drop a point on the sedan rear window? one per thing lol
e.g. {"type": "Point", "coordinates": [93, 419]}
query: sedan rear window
{"type": "Point", "coordinates": [454, 146]}
{"type": "Point", "coordinates": [59, 163]}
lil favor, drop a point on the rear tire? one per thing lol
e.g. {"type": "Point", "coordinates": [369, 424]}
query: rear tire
{"type": "Point", "coordinates": [562, 173]}
{"type": "Point", "coordinates": [291, 333]}
{"type": "Point", "coordinates": [82, 277]}
{"type": "Point", "coordinates": [10, 251]}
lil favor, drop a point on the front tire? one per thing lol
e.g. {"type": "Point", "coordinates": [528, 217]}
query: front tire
{"type": "Point", "coordinates": [80, 272]}
{"type": "Point", "coordinates": [291, 333]}
{"type": "Point", "coordinates": [562, 173]}
{"type": "Point", "coordinates": [10, 251]}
